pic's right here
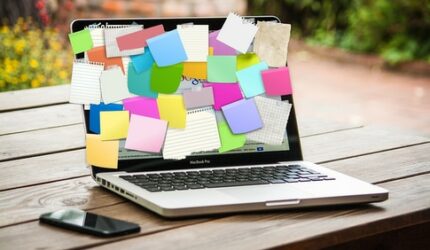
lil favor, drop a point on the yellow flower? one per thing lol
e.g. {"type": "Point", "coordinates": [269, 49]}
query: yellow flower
{"type": "Point", "coordinates": [63, 74]}
{"type": "Point", "coordinates": [5, 29]}
{"type": "Point", "coordinates": [24, 77]}
{"type": "Point", "coordinates": [41, 78]}
{"type": "Point", "coordinates": [34, 64]}
{"type": "Point", "coordinates": [19, 46]}
{"type": "Point", "coordinates": [35, 83]}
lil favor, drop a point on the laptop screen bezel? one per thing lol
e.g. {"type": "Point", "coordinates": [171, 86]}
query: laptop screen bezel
{"type": "Point", "coordinates": [212, 161]}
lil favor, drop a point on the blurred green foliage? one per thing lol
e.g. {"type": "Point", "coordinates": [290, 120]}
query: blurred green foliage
{"type": "Point", "coordinates": [398, 30]}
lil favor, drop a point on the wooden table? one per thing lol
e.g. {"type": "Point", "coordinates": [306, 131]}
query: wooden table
{"type": "Point", "coordinates": [42, 169]}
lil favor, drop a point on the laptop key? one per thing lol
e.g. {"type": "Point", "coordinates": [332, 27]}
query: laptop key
{"type": "Point", "coordinates": [277, 181]}
{"type": "Point", "coordinates": [153, 189]}
{"type": "Point", "coordinates": [291, 180]}
{"type": "Point", "coordinates": [235, 184]}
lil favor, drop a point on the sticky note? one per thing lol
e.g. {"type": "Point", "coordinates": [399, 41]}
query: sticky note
{"type": "Point", "coordinates": [143, 106]}
{"type": "Point", "coordinates": [100, 153]}
{"type": "Point", "coordinates": [98, 54]}
{"type": "Point", "coordinates": [139, 83]}
{"type": "Point", "coordinates": [277, 81]}
{"type": "Point", "coordinates": [242, 116]}
{"type": "Point", "coordinates": [219, 48]}
{"type": "Point", "coordinates": [146, 134]}
{"type": "Point", "coordinates": [166, 80]}
{"type": "Point", "coordinates": [172, 109]}
{"type": "Point", "coordinates": [246, 60]}
{"type": "Point", "coordinates": [229, 141]}
{"type": "Point", "coordinates": [199, 98]}
{"type": "Point", "coordinates": [274, 115]}
{"type": "Point", "coordinates": [237, 32]}
{"type": "Point", "coordinates": [113, 125]}
{"type": "Point", "coordinates": [95, 110]}
{"type": "Point", "coordinates": [113, 85]}
{"type": "Point", "coordinates": [81, 41]}
{"type": "Point", "coordinates": [271, 43]}
{"type": "Point", "coordinates": [138, 39]}
{"type": "Point", "coordinates": [195, 40]}
{"type": "Point", "coordinates": [221, 68]}
{"type": "Point", "coordinates": [142, 62]}
{"type": "Point", "coordinates": [167, 49]}
{"type": "Point", "coordinates": [224, 93]}
{"type": "Point", "coordinates": [112, 49]}
{"type": "Point", "coordinates": [85, 83]}
{"type": "Point", "coordinates": [200, 134]}
{"type": "Point", "coordinates": [250, 79]}
{"type": "Point", "coordinates": [196, 70]}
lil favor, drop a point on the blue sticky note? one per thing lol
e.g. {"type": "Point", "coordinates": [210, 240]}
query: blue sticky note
{"type": "Point", "coordinates": [250, 80]}
{"type": "Point", "coordinates": [142, 62]}
{"type": "Point", "coordinates": [139, 83]}
{"type": "Point", "coordinates": [242, 116]}
{"type": "Point", "coordinates": [167, 48]}
{"type": "Point", "coordinates": [95, 110]}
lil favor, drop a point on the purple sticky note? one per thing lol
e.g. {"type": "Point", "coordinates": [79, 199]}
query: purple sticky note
{"type": "Point", "coordinates": [198, 98]}
{"type": "Point", "coordinates": [220, 48]}
{"type": "Point", "coordinates": [224, 93]}
{"type": "Point", "coordinates": [142, 106]}
{"type": "Point", "coordinates": [242, 116]}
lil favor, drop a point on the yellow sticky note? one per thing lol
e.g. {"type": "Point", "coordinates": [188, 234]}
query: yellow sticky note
{"type": "Point", "coordinates": [246, 60]}
{"type": "Point", "coordinates": [211, 51]}
{"type": "Point", "coordinates": [172, 109]}
{"type": "Point", "coordinates": [114, 125]}
{"type": "Point", "coordinates": [100, 153]}
{"type": "Point", "coordinates": [195, 70]}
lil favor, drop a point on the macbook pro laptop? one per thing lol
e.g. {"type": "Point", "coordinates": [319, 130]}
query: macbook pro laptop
{"type": "Point", "coordinates": [250, 178]}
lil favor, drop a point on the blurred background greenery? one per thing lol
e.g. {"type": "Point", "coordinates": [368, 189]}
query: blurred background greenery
{"type": "Point", "coordinates": [34, 49]}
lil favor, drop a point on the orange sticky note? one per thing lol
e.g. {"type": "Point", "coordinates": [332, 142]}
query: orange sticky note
{"type": "Point", "coordinates": [195, 70]}
{"type": "Point", "coordinates": [98, 54]}
{"type": "Point", "coordinates": [100, 153]}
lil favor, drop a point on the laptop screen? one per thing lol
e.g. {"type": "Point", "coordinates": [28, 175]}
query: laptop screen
{"type": "Point", "coordinates": [224, 123]}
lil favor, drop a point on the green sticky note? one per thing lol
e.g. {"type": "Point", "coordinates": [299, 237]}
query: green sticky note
{"type": "Point", "coordinates": [166, 80]}
{"type": "Point", "coordinates": [246, 60]}
{"type": "Point", "coordinates": [221, 69]}
{"type": "Point", "coordinates": [229, 141]}
{"type": "Point", "coordinates": [139, 83]}
{"type": "Point", "coordinates": [81, 41]}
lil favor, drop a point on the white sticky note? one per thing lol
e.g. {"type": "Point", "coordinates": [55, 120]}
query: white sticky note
{"type": "Point", "coordinates": [274, 114]}
{"type": "Point", "coordinates": [112, 33]}
{"type": "Point", "coordinates": [97, 35]}
{"type": "Point", "coordinates": [113, 85]}
{"type": "Point", "coordinates": [85, 84]}
{"type": "Point", "coordinates": [237, 32]}
{"type": "Point", "coordinates": [195, 39]}
{"type": "Point", "coordinates": [200, 134]}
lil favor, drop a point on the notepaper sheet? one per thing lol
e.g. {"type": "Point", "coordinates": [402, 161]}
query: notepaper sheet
{"type": "Point", "coordinates": [200, 134]}
{"type": "Point", "coordinates": [237, 33]}
{"type": "Point", "coordinates": [275, 115]}
{"type": "Point", "coordinates": [113, 84]}
{"type": "Point", "coordinates": [271, 43]}
{"type": "Point", "coordinates": [97, 35]}
{"type": "Point", "coordinates": [112, 49]}
{"type": "Point", "coordinates": [195, 39]}
{"type": "Point", "coordinates": [85, 84]}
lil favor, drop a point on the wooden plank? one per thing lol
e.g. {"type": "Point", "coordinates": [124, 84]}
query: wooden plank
{"type": "Point", "coordinates": [41, 142]}
{"type": "Point", "coordinates": [408, 205]}
{"type": "Point", "coordinates": [30, 98]}
{"type": "Point", "coordinates": [40, 118]}
{"type": "Point", "coordinates": [34, 232]}
{"type": "Point", "coordinates": [47, 168]}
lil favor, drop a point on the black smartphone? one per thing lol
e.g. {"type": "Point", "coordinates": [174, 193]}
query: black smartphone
{"type": "Point", "coordinates": [91, 223]}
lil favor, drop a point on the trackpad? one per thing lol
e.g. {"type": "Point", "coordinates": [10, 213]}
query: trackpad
{"type": "Point", "coordinates": [265, 193]}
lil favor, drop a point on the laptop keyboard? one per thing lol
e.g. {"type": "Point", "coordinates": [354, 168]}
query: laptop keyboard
{"type": "Point", "coordinates": [230, 177]}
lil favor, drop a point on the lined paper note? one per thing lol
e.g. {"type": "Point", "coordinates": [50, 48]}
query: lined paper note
{"type": "Point", "coordinates": [85, 84]}
{"type": "Point", "coordinates": [200, 134]}
{"type": "Point", "coordinates": [97, 35]}
{"type": "Point", "coordinates": [113, 85]}
{"type": "Point", "coordinates": [195, 39]}
{"type": "Point", "coordinates": [275, 115]}
{"type": "Point", "coordinates": [112, 49]}
{"type": "Point", "coordinates": [237, 32]}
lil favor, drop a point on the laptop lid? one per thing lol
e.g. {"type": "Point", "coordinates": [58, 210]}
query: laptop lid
{"type": "Point", "coordinates": [251, 153]}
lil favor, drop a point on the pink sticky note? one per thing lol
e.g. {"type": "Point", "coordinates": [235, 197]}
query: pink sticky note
{"type": "Point", "coordinates": [146, 134]}
{"type": "Point", "coordinates": [138, 39]}
{"type": "Point", "coordinates": [277, 81]}
{"type": "Point", "coordinates": [142, 106]}
{"type": "Point", "coordinates": [224, 93]}
{"type": "Point", "coordinates": [220, 48]}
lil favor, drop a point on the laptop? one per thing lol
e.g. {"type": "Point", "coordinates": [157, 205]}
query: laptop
{"type": "Point", "coordinates": [254, 177]}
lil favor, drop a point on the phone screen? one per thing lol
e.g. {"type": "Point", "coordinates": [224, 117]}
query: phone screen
{"type": "Point", "coordinates": [89, 222]}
